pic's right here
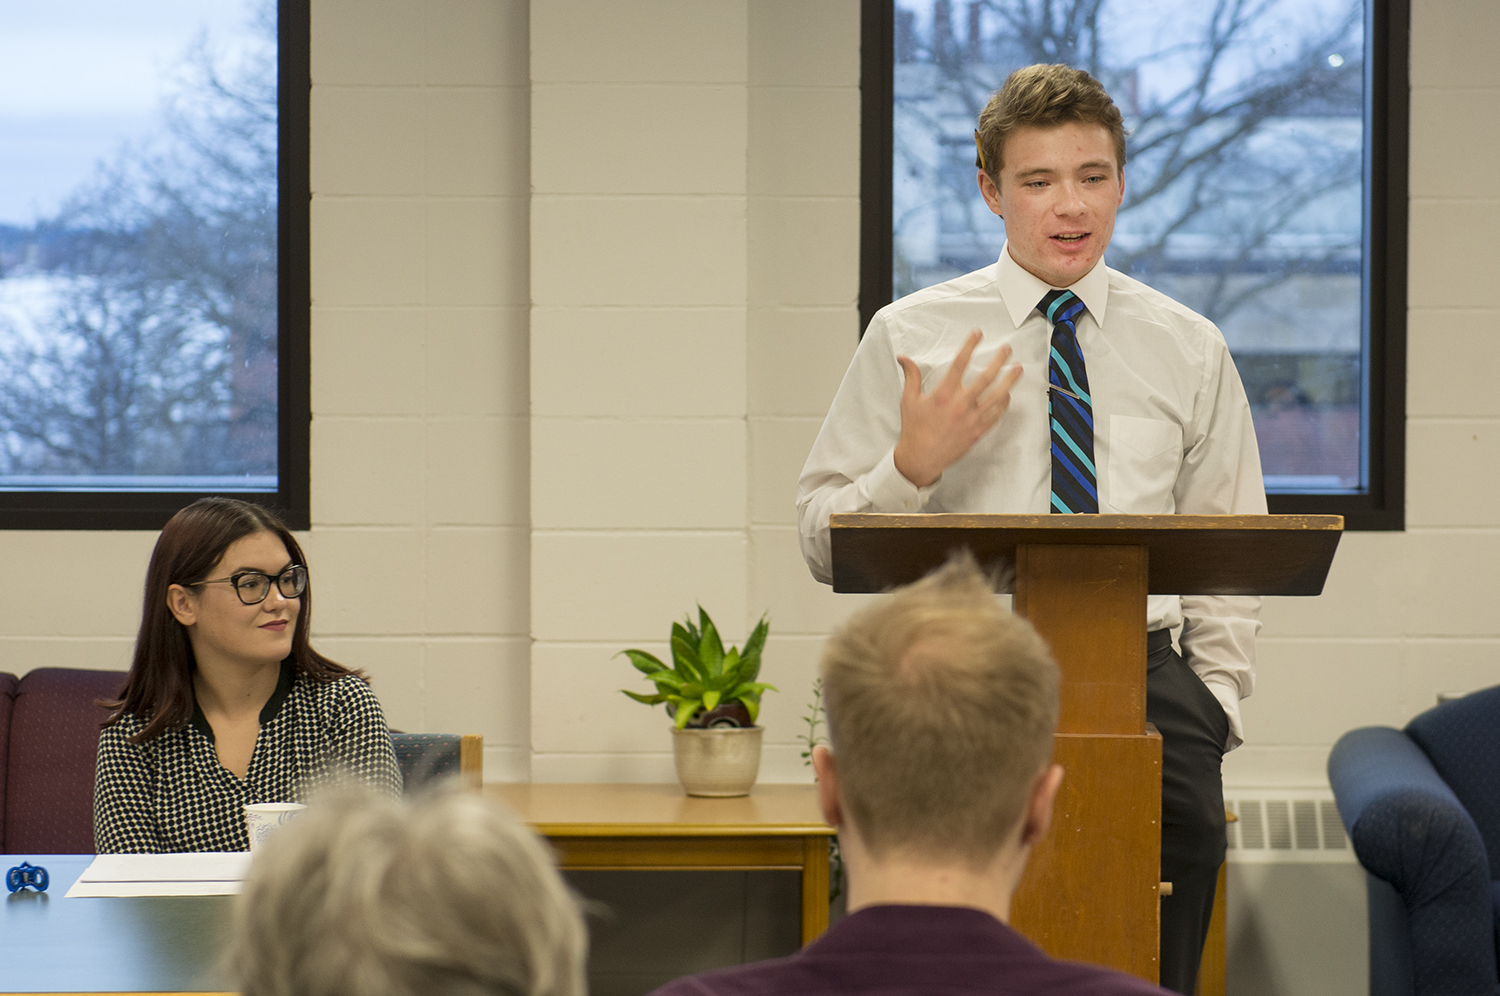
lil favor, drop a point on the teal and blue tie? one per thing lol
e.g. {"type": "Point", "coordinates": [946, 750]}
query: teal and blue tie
{"type": "Point", "coordinates": [1075, 485]}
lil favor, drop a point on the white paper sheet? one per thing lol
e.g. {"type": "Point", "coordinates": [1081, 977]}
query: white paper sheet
{"type": "Point", "coordinates": [203, 874]}
{"type": "Point", "coordinates": [87, 890]}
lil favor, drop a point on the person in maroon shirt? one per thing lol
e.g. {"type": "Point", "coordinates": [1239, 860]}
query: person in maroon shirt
{"type": "Point", "coordinates": [941, 709]}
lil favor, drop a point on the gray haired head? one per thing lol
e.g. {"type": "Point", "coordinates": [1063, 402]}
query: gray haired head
{"type": "Point", "coordinates": [439, 893]}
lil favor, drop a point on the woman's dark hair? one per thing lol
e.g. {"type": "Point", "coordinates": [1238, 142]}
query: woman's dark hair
{"type": "Point", "coordinates": [159, 688]}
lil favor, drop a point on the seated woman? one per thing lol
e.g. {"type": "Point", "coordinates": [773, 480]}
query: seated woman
{"type": "Point", "coordinates": [226, 702]}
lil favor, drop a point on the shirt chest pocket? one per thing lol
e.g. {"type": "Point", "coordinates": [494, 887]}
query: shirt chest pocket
{"type": "Point", "coordinates": [1144, 455]}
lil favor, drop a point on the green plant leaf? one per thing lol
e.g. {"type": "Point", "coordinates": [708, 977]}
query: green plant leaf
{"type": "Point", "coordinates": [751, 655]}
{"type": "Point", "coordinates": [685, 709]}
{"type": "Point", "coordinates": [749, 693]}
{"type": "Point", "coordinates": [645, 663]}
{"type": "Point", "coordinates": [710, 648]}
{"type": "Point", "coordinates": [647, 699]}
{"type": "Point", "coordinates": [690, 630]}
{"type": "Point", "coordinates": [710, 700]}
{"type": "Point", "coordinates": [667, 679]}
{"type": "Point", "coordinates": [686, 656]}
{"type": "Point", "coordinates": [754, 646]}
{"type": "Point", "coordinates": [732, 665]}
{"type": "Point", "coordinates": [681, 631]}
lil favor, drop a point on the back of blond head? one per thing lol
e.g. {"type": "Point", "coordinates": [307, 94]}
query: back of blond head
{"type": "Point", "coordinates": [1044, 96]}
{"type": "Point", "coordinates": [941, 709]}
{"type": "Point", "coordinates": [441, 894]}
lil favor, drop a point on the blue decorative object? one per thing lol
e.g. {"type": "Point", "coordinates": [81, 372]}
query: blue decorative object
{"type": "Point", "coordinates": [26, 874]}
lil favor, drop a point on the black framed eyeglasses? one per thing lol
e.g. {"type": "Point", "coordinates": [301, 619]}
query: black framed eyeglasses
{"type": "Point", "coordinates": [254, 586]}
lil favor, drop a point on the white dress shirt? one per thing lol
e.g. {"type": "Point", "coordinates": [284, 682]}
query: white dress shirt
{"type": "Point", "coordinates": [1172, 432]}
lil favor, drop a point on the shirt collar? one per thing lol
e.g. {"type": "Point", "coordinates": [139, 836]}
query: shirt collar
{"type": "Point", "coordinates": [928, 929]}
{"type": "Point", "coordinates": [1022, 290]}
{"type": "Point", "coordinates": [268, 712]}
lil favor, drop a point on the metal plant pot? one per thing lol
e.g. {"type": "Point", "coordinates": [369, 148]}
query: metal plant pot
{"type": "Point", "coordinates": [719, 762]}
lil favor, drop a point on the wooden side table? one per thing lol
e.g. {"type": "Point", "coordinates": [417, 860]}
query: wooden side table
{"type": "Point", "coordinates": [645, 827]}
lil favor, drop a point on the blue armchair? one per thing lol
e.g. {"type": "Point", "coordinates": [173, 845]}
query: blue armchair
{"type": "Point", "coordinates": [1422, 807]}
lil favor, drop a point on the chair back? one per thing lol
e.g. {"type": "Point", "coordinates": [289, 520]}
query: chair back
{"type": "Point", "coordinates": [8, 684]}
{"type": "Point", "coordinates": [425, 758]}
{"type": "Point", "coordinates": [53, 747]}
{"type": "Point", "coordinates": [1462, 739]}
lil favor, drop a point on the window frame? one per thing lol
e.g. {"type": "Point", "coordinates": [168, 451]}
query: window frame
{"type": "Point", "coordinates": [1382, 506]}
{"type": "Point", "coordinates": [93, 510]}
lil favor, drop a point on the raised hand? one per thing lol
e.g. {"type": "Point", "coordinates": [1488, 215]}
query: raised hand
{"type": "Point", "coordinates": [938, 428]}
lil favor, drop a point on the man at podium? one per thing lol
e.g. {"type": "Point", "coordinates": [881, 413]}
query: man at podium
{"type": "Point", "coordinates": [1049, 382]}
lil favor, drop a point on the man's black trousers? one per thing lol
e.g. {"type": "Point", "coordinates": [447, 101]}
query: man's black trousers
{"type": "Point", "coordinates": [1193, 730]}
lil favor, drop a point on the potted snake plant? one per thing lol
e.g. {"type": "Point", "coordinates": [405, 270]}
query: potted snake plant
{"type": "Point", "coordinates": [714, 701]}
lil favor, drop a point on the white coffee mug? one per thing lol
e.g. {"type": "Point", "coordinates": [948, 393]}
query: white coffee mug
{"type": "Point", "coordinates": [263, 818]}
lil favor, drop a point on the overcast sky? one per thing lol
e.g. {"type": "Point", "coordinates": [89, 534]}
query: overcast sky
{"type": "Point", "coordinates": [78, 77]}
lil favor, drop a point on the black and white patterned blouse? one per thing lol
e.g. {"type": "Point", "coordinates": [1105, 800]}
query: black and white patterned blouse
{"type": "Point", "coordinates": [172, 794]}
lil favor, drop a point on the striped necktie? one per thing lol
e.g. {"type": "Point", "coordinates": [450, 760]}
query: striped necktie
{"type": "Point", "coordinates": [1074, 482]}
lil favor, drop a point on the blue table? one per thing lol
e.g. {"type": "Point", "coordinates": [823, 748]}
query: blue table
{"type": "Point", "coordinates": [154, 944]}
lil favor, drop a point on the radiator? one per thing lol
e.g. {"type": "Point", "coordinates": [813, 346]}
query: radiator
{"type": "Point", "coordinates": [1286, 825]}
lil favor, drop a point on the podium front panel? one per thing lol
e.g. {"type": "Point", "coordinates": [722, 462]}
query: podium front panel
{"type": "Point", "coordinates": [1090, 891]}
{"type": "Point", "coordinates": [1089, 604]}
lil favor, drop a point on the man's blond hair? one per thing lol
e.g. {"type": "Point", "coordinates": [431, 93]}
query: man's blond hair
{"type": "Point", "coordinates": [1044, 96]}
{"type": "Point", "coordinates": [941, 709]}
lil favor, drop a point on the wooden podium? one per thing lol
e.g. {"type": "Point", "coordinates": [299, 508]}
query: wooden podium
{"type": "Point", "coordinates": [1091, 890]}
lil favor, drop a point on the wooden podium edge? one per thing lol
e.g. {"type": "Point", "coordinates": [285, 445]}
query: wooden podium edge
{"type": "Point", "coordinates": [1189, 554]}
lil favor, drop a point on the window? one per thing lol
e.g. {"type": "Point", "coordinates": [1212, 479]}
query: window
{"type": "Point", "coordinates": [1266, 189]}
{"type": "Point", "coordinates": [153, 259]}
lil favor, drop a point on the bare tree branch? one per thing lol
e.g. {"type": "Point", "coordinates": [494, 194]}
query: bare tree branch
{"type": "Point", "coordinates": [159, 354]}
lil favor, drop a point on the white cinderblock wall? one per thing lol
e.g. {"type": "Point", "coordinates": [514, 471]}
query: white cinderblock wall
{"type": "Point", "coordinates": [419, 444]}
{"type": "Point", "coordinates": [420, 518]}
{"type": "Point", "coordinates": [694, 271]}
{"type": "Point", "coordinates": [638, 466]}
{"type": "Point", "coordinates": [803, 320]}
